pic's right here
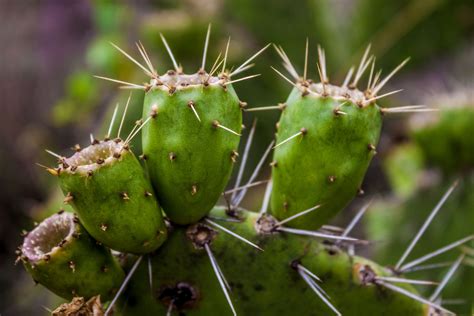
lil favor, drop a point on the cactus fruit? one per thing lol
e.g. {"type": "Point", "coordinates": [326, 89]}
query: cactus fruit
{"type": "Point", "coordinates": [326, 135]}
{"type": "Point", "coordinates": [113, 197]}
{"type": "Point", "coordinates": [62, 256]}
{"type": "Point", "coordinates": [271, 282]}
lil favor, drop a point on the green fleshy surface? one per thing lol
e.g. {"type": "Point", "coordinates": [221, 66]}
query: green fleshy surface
{"type": "Point", "coordinates": [203, 152]}
{"type": "Point", "coordinates": [263, 283]}
{"type": "Point", "coordinates": [333, 146]}
{"type": "Point", "coordinates": [135, 225]}
{"type": "Point", "coordinates": [96, 271]}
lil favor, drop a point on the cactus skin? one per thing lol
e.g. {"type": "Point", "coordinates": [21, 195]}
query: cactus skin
{"type": "Point", "coordinates": [263, 283]}
{"type": "Point", "coordinates": [327, 164]}
{"type": "Point", "coordinates": [190, 161]}
{"type": "Point", "coordinates": [114, 202]}
{"type": "Point", "coordinates": [73, 264]}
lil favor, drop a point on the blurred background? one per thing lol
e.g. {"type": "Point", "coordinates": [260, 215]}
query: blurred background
{"type": "Point", "coordinates": [49, 99]}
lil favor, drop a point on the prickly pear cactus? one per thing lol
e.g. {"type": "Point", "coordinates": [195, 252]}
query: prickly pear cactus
{"type": "Point", "coordinates": [269, 282]}
{"type": "Point", "coordinates": [327, 135]}
{"type": "Point", "coordinates": [62, 256]}
{"type": "Point", "coordinates": [228, 261]}
{"type": "Point", "coordinates": [113, 197]}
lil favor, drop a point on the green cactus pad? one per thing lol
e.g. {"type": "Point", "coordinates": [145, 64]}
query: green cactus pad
{"type": "Point", "coordinates": [262, 283]}
{"type": "Point", "coordinates": [326, 162]}
{"type": "Point", "coordinates": [189, 153]}
{"type": "Point", "coordinates": [107, 187]}
{"type": "Point", "coordinates": [63, 257]}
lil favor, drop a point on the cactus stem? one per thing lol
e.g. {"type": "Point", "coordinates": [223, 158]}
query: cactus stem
{"type": "Point", "coordinates": [236, 201]}
{"type": "Point", "coordinates": [387, 78]}
{"type": "Point", "coordinates": [368, 101]}
{"type": "Point", "coordinates": [446, 278]}
{"type": "Point", "coordinates": [286, 62]}
{"type": "Point", "coordinates": [191, 106]}
{"type": "Point", "coordinates": [435, 253]}
{"type": "Point", "coordinates": [124, 284]}
{"type": "Point", "coordinates": [170, 53]}
{"type": "Point", "coordinates": [216, 124]}
{"type": "Point", "coordinates": [245, 63]}
{"type": "Point", "coordinates": [348, 77]}
{"type": "Point", "coordinates": [232, 234]}
{"type": "Point", "coordinates": [303, 131]}
{"type": "Point", "coordinates": [425, 225]}
{"type": "Point", "coordinates": [241, 79]}
{"type": "Point", "coordinates": [125, 83]}
{"type": "Point", "coordinates": [316, 289]}
{"type": "Point", "coordinates": [302, 213]}
{"type": "Point", "coordinates": [411, 295]}
{"type": "Point", "coordinates": [132, 60]}
{"type": "Point", "coordinates": [220, 277]}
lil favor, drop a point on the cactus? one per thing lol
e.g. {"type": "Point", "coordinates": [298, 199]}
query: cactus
{"type": "Point", "coordinates": [327, 135]}
{"type": "Point", "coordinates": [62, 256]}
{"type": "Point", "coordinates": [108, 188]}
{"type": "Point", "coordinates": [218, 260]}
{"type": "Point", "coordinates": [271, 282]}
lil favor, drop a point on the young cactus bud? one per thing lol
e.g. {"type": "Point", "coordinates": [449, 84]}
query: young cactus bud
{"type": "Point", "coordinates": [107, 187]}
{"type": "Point", "coordinates": [189, 143]}
{"type": "Point", "coordinates": [63, 257]}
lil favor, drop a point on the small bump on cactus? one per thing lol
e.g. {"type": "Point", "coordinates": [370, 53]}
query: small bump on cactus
{"type": "Point", "coordinates": [62, 256]}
